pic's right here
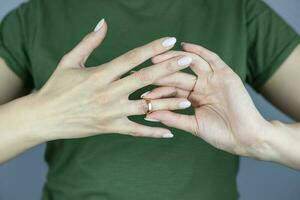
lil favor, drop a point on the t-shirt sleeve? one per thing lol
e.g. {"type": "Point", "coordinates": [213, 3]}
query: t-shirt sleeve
{"type": "Point", "coordinates": [13, 44]}
{"type": "Point", "coordinates": [270, 41]}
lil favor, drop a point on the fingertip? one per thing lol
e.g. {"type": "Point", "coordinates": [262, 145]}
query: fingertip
{"type": "Point", "coordinates": [151, 119]}
{"type": "Point", "coordinates": [167, 134]}
{"type": "Point", "coordinates": [168, 42]}
{"type": "Point", "coordinates": [190, 46]}
{"type": "Point", "coordinates": [154, 60]}
{"type": "Point", "coordinates": [100, 25]}
{"type": "Point", "coordinates": [184, 60]}
{"type": "Point", "coordinates": [145, 94]}
{"type": "Point", "coordinates": [100, 30]}
{"type": "Point", "coordinates": [184, 104]}
{"type": "Point", "coordinates": [185, 45]}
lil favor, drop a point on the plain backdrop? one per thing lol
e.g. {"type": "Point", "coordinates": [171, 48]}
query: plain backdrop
{"type": "Point", "coordinates": [23, 177]}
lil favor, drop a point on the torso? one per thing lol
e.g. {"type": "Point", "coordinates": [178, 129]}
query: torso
{"type": "Point", "coordinates": [116, 166]}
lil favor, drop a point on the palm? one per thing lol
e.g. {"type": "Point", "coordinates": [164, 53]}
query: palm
{"type": "Point", "coordinates": [225, 115]}
{"type": "Point", "coordinates": [220, 105]}
{"type": "Point", "coordinates": [212, 127]}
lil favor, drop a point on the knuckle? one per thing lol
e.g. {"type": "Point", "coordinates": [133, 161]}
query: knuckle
{"type": "Point", "coordinates": [145, 76]}
{"type": "Point", "coordinates": [142, 107]}
{"type": "Point", "coordinates": [65, 60]}
{"type": "Point", "coordinates": [200, 51]}
{"type": "Point", "coordinates": [170, 65]}
{"type": "Point", "coordinates": [133, 56]}
{"type": "Point", "coordinates": [66, 56]}
{"type": "Point", "coordinates": [156, 47]}
{"type": "Point", "coordinates": [103, 98]}
{"type": "Point", "coordinates": [94, 76]}
{"type": "Point", "coordinates": [174, 92]}
{"type": "Point", "coordinates": [88, 38]}
{"type": "Point", "coordinates": [214, 58]}
{"type": "Point", "coordinates": [193, 78]}
{"type": "Point", "coordinates": [134, 133]}
{"type": "Point", "coordinates": [176, 82]}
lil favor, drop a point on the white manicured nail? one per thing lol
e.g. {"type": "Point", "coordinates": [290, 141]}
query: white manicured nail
{"type": "Point", "coordinates": [99, 25]}
{"type": "Point", "coordinates": [151, 120]}
{"type": "Point", "coordinates": [168, 135]}
{"type": "Point", "coordinates": [145, 94]}
{"type": "Point", "coordinates": [186, 60]}
{"type": "Point", "coordinates": [169, 42]}
{"type": "Point", "coordinates": [184, 104]}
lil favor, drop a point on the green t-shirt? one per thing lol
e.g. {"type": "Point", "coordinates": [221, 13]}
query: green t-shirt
{"type": "Point", "coordinates": [247, 34]}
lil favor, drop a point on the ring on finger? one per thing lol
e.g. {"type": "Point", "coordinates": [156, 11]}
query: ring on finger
{"type": "Point", "coordinates": [149, 106]}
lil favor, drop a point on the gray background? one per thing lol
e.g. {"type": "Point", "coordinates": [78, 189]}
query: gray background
{"type": "Point", "coordinates": [23, 177]}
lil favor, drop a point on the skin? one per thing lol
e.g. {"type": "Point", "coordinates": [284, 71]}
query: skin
{"type": "Point", "coordinates": [225, 115]}
{"type": "Point", "coordinates": [79, 102]}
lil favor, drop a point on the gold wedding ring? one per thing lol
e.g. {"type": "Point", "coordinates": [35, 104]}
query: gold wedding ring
{"type": "Point", "coordinates": [149, 106]}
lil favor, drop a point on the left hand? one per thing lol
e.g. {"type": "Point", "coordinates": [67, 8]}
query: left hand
{"type": "Point", "coordinates": [225, 115]}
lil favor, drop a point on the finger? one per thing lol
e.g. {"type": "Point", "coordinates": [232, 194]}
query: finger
{"type": "Point", "coordinates": [199, 65]}
{"type": "Point", "coordinates": [180, 80]}
{"type": "Point", "coordinates": [79, 55]}
{"type": "Point", "coordinates": [138, 130]}
{"type": "Point", "coordinates": [163, 92]}
{"type": "Point", "coordinates": [184, 122]}
{"type": "Point", "coordinates": [137, 56]}
{"type": "Point", "coordinates": [147, 76]}
{"type": "Point", "coordinates": [140, 107]}
{"type": "Point", "coordinates": [210, 57]}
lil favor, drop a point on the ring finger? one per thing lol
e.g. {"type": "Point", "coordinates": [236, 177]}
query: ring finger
{"type": "Point", "coordinates": [140, 107]}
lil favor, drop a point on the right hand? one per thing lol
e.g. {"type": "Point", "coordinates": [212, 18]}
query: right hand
{"type": "Point", "coordinates": [78, 102]}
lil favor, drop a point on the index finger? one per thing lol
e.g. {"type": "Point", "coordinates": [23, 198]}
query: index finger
{"type": "Point", "coordinates": [149, 75]}
{"type": "Point", "coordinates": [124, 63]}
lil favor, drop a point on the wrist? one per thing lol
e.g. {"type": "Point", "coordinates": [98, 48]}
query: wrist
{"type": "Point", "coordinates": [267, 138]}
{"type": "Point", "coordinates": [261, 145]}
{"type": "Point", "coordinates": [21, 120]}
{"type": "Point", "coordinates": [283, 142]}
{"type": "Point", "coordinates": [277, 142]}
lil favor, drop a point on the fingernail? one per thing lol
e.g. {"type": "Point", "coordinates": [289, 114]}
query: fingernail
{"type": "Point", "coordinates": [182, 43]}
{"type": "Point", "coordinates": [169, 42]}
{"type": "Point", "coordinates": [99, 25]}
{"type": "Point", "coordinates": [185, 104]}
{"type": "Point", "coordinates": [151, 120]}
{"type": "Point", "coordinates": [186, 60]}
{"type": "Point", "coordinates": [145, 94]}
{"type": "Point", "coordinates": [168, 135]}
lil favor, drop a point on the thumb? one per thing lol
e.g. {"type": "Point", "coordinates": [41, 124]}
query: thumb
{"type": "Point", "coordinates": [79, 55]}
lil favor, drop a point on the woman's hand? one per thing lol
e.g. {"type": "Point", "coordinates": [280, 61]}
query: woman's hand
{"type": "Point", "coordinates": [225, 115]}
{"type": "Point", "coordinates": [80, 102]}
{"type": "Point", "coordinates": [88, 101]}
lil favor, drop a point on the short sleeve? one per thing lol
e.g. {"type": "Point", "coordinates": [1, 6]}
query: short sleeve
{"type": "Point", "coordinates": [270, 41]}
{"type": "Point", "coordinates": [13, 44]}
